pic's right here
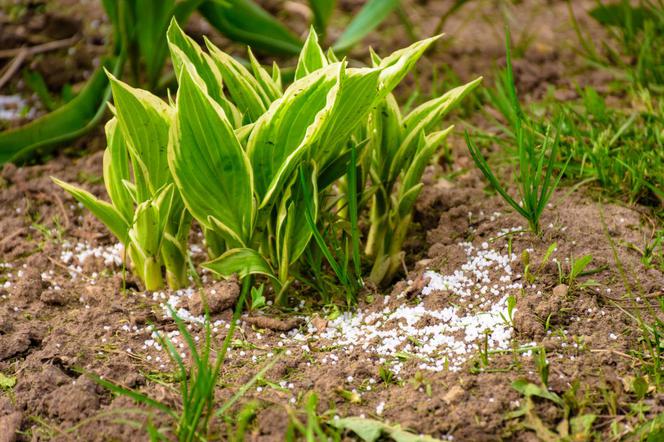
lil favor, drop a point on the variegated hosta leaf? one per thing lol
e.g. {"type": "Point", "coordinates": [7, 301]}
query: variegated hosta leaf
{"type": "Point", "coordinates": [270, 85]}
{"type": "Point", "coordinates": [357, 93]}
{"type": "Point", "coordinates": [246, 91]}
{"type": "Point", "coordinates": [174, 257]}
{"type": "Point", "coordinates": [104, 211]}
{"type": "Point", "coordinates": [311, 58]}
{"type": "Point", "coordinates": [174, 244]}
{"type": "Point", "coordinates": [427, 146]}
{"type": "Point", "coordinates": [331, 56]}
{"type": "Point", "coordinates": [190, 51]}
{"type": "Point", "coordinates": [146, 237]}
{"type": "Point", "coordinates": [283, 134]}
{"type": "Point", "coordinates": [149, 222]}
{"type": "Point", "coordinates": [385, 134]}
{"type": "Point", "coordinates": [293, 233]}
{"type": "Point", "coordinates": [215, 243]}
{"type": "Point", "coordinates": [240, 261]}
{"type": "Point", "coordinates": [423, 118]}
{"type": "Point", "coordinates": [428, 114]}
{"type": "Point", "coordinates": [209, 166]}
{"type": "Point", "coordinates": [185, 50]}
{"type": "Point", "coordinates": [399, 63]}
{"type": "Point", "coordinates": [407, 202]}
{"type": "Point", "coordinates": [276, 76]}
{"type": "Point", "coordinates": [144, 121]}
{"type": "Point", "coordinates": [116, 171]}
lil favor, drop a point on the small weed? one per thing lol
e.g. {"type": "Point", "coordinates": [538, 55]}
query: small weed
{"type": "Point", "coordinates": [536, 155]}
{"type": "Point", "coordinates": [386, 375]}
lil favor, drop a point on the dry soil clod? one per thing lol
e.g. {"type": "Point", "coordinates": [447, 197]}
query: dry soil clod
{"type": "Point", "coordinates": [275, 324]}
{"type": "Point", "coordinates": [219, 298]}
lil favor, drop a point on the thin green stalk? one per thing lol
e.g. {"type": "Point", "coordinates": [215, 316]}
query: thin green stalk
{"type": "Point", "coordinates": [343, 277]}
{"type": "Point", "coordinates": [352, 211]}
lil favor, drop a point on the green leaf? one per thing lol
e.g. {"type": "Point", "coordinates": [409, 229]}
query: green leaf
{"type": "Point", "coordinates": [387, 133]}
{"type": "Point", "coordinates": [144, 121]}
{"type": "Point", "coordinates": [582, 425]}
{"type": "Point", "coordinates": [116, 171]}
{"type": "Point", "coordinates": [243, 88]}
{"type": "Point", "coordinates": [35, 81]}
{"type": "Point", "coordinates": [370, 430]}
{"type": "Point", "coordinates": [651, 431]}
{"type": "Point", "coordinates": [579, 265]}
{"type": "Point", "coordinates": [399, 63]}
{"type": "Point", "coordinates": [240, 261]}
{"type": "Point", "coordinates": [284, 133]}
{"type": "Point", "coordinates": [311, 58]}
{"type": "Point", "coordinates": [208, 163]}
{"type": "Point", "coordinates": [621, 14]}
{"type": "Point", "coordinates": [147, 228]}
{"type": "Point", "coordinates": [213, 82]}
{"type": "Point", "coordinates": [7, 382]}
{"type": "Point", "coordinates": [174, 255]}
{"type": "Point", "coordinates": [257, 297]}
{"type": "Point", "coordinates": [64, 124]}
{"type": "Point", "coordinates": [370, 16]}
{"type": "Point", "coordinates": [246, 22]}
{"type": "Point", "coordinates": [190, 51]}
{"type": "Point", "coordinates": [148, 32]}
{"type": "Point", "coordinates": [320, 241]}
{"type": "Point", "coordinates": [428, 146]}
{"type": "Point", "coordinates": [358, 91]}
{"type": "Point", "coordinates": [270, 86]}
{"type": "Point", "coordinates": [293, 234]}
{"type": "Point", "coordinates": [407, 200]}
{"type": "Point", "coordinates": [105, 212]}
{"type": "Point", "coordinates": [528, 389]}
{"type": "Point", "coordinates": [147, 236]}
{"type": "Point", "coordinates": [423, 118]}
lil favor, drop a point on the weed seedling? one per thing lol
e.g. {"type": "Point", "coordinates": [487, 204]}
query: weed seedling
{"type": "Point", "coordinates": [542, 365]}
{"type": "Point", "coordinates": [536, 157]}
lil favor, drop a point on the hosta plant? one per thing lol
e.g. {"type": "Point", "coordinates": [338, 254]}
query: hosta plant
{"type": "Point", "coordinates": [400, 148]}
{"type": "Point", "coordinates": [259, 182]}
{"type": "Point", "coordinates": [145, 211]}
{"type": "Point", "coordinates": [241, 182]}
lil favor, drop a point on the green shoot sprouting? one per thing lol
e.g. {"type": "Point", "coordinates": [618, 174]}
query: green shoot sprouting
{"type": "Point", "coordinates": [536, 159]}
{"type": "Point", "coordinates": [146, 213]}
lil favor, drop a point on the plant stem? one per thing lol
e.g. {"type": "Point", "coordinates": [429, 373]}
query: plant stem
{"type": "Point", "coordinates": [153, 278]}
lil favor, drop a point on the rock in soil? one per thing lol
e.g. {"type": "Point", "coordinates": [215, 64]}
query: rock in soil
{"type": "Point", "coordinates": [220, 297]}
{"type": "Point", "coordinates": [283, 325]}
{"type": "Point", "coordinates": [551, 304]}
{"type": "Point", "coordinates": [31, 285]}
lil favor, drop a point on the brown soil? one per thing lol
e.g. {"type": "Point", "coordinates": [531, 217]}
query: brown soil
{"type": "Point", "coordinates": [54, 326]}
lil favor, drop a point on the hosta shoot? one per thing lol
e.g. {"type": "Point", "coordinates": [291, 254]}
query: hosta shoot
{"type": "Point", "coordinates": [259, 187]}
{"type": "Point", "coordinates": [145, 211]}
{"type": "Point", "coordinates": [400, 148]}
